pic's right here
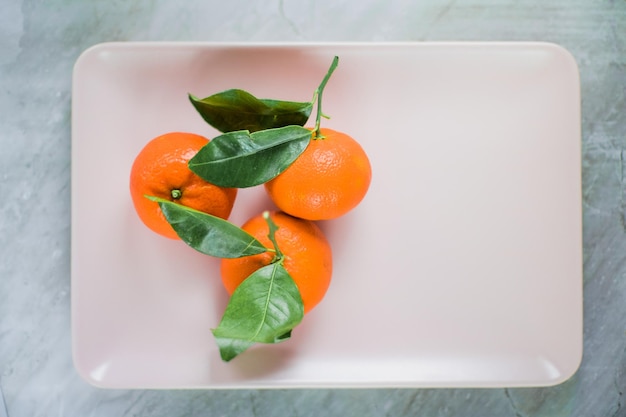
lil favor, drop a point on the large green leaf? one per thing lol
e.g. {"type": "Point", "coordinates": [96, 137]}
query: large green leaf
{"type": "Point", "coordinates": [242, 159]}
{"type": "Point", "coordinates": [263, 309]}
{"type": "Point", "coordinates": [236, 109]}
{"type": "Point", "coordinates": [209, 234]}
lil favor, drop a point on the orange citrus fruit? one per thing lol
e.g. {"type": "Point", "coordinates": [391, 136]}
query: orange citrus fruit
{"type": "Point", "coordinates": [308, 257]}
{"type": "Point", "coordinates": [326, 181]}
{"type": "Point", "coordinates": [160, 170]}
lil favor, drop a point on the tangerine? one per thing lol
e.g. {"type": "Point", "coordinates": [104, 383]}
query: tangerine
{"type": "Point", "coordinates": [160, 170]}
{"type": "Point", "coordinates": [307, 256]}
{"type": "Point", "coordinates": [326, 181]}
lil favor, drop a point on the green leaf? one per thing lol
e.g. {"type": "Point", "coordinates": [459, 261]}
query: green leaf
{"type": "Point", "coordinates": [242, 159]}
{"type": "Point", "coordinates": [263, 309]}
{"type": "Point", "coordinates": [209, 234]}
{"type": "Point", "coordinates": [236, 109]}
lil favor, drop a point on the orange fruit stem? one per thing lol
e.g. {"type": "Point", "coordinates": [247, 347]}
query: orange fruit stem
{"type": "Point", "coordinates": [319, 91]}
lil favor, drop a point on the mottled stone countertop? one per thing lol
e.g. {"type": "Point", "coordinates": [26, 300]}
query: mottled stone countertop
{"type": "Point", "coordinates": [41, 39]}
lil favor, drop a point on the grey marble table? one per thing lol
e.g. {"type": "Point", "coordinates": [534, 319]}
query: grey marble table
{"type": "Point", "coordinates": [39, 43]}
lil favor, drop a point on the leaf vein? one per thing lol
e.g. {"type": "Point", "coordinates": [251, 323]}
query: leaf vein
{"type": "Point", "coordinates": [254, 152]}
{"type": "Point", "coordinates": [267, 302]}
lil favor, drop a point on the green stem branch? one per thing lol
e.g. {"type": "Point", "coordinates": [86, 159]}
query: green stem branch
{"type": "Point", "coordinates": [278, 255]}
{"type": "Point", "coordinates": [319, 92]}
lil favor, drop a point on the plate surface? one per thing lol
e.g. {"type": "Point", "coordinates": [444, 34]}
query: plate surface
{"type": "Point", "coordinates": [461, 268]}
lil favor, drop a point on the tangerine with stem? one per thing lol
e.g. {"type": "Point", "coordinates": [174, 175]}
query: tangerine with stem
{"type": "Point", "coordinates": [331, 176]}
{"type": "Point", "coordinates": [304, 252]}
{"type": "Point", "coordinates": [160, 170]}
